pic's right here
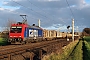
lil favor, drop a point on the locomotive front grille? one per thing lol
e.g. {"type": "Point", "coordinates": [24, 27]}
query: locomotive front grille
{"type": "Point", "coordinates": [15, 39]}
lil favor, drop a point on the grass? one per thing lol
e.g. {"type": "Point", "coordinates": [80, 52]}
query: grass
{"type": "Point", "coordinates": [87, 38]}
{"type": "Point", "coordinates": [86, 51]}
{"type": "Point", "coordinates": [86, 48]}
{"type": "Point", "coordinates": [81, 52]}
{"type": "Point", "coordinates": [77, 53]}
{"type": "Point", "coordinates": [66, 52]}
{"type": "Point", "coordinates": [3, 41]}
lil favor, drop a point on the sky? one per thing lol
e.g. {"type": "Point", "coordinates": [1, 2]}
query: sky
{"type": "Point", "coordinates": [54, 14]}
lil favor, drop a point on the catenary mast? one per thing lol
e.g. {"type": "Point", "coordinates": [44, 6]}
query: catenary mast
{"type": "Point", "coordinates": [73, 29]}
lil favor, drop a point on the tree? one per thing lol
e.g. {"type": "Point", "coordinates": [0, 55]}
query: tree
{"type": "Point", "coordinates": [8, 24]}
{"type": "Point", "coordinates": [86, 32]}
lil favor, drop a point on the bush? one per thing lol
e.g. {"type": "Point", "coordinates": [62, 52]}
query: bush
{"type": "Point", "coordinates": [3, 41]}
{"type": "Point", "coordinates": [86, 50]}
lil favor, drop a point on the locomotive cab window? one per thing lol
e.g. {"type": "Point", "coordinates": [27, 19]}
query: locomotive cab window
{"type": "Point", "coordinates": [16, 29]}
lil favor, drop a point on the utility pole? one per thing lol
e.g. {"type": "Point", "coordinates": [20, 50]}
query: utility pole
{"type": "Point", "coordinates": [39, 22]}
{"type": "Point", "coordinates": [73, 29]}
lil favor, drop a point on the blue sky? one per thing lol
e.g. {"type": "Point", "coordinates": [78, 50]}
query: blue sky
{"type": "Point", "coordinates": [6, 7]}
{"type": "Point", "coordinates": [88, 1]}
{"type": "Point", "coordinates": [53, 14]}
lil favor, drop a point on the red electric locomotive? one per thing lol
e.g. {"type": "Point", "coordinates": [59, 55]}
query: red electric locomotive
{"type": "Point", "coordinates": [22, 33]}
{"type": "Point", "coordinates": [17, 32]}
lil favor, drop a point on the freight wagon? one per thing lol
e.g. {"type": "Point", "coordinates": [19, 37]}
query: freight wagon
{"type": "Point", "coordinates": [58, 34]}
{"type": "Point", "coordinates": [48, 34]}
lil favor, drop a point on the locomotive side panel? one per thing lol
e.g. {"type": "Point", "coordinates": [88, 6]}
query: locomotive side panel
{"type": "Point", "coordinates": [34, 34]}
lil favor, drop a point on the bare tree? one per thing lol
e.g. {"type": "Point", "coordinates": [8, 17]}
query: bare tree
{"type": "Point", "coordinates": [8, 24]}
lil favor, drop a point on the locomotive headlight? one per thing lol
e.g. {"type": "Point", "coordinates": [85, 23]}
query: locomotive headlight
{"type": "Point", "coordinates": [10, 36]}
{"type": "Point", "coordinates": [19, 36]}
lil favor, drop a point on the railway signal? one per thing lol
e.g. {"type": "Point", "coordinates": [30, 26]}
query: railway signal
{"type": "Point", "coordinates": [68, 32]}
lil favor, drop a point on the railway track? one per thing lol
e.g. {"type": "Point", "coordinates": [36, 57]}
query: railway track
{"type": "Point", "coordinates": [34, 49]}
{"type": "Point", "coordinates": [17, 46]}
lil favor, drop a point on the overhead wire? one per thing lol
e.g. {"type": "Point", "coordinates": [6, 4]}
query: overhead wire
{"type": "Point", "coordinates": [43, 10]}
{"type": "Point", "coordinates": [38, 7]}
{"type": "Point", "coordinates": [72, 12]}
{"type": "Point", "coordinates": [32, 10]}
{"type": "Point", "coordinates": [23, 6]}
{"type": "Point", "coordinates": [35, 11]}
{"type": "Point", "coordinates": [70, 9]}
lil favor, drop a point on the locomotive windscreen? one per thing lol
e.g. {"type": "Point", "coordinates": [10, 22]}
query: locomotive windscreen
{"type": "Point", "coordinates": [16, 29]}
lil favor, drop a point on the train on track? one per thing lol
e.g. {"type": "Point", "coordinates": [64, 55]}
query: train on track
{"type": "Point", "coordinates": [21, 32]}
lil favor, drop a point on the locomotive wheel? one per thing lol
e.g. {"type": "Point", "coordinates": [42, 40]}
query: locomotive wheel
{"type": "Point", "coordinates": [23, 42]}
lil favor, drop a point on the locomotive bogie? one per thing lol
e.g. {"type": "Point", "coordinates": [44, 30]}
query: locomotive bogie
{"type": "Point", "coordinates": [14, 40]}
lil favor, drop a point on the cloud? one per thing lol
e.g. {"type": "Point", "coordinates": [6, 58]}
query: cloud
{"type": "Point", "coordinates": [1, 8]}
{"type": "Point", "coordinates": [52, 13]}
